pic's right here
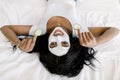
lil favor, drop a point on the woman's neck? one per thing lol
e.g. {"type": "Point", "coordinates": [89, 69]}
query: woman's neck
{"type": "Point", "coordinates": [59, 21]}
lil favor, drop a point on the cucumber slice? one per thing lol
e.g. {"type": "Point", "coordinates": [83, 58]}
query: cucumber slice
{"type": "Point", "coordinates": [76, 26]}
{"type": "Point", "coordinates": [38, 32]}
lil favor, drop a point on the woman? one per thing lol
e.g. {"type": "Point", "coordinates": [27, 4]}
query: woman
{"type": "Point", "coordinates": [63, 50]}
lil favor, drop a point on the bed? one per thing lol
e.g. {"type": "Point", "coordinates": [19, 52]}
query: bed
{"type": "Point", "coordinates": [18, 65]}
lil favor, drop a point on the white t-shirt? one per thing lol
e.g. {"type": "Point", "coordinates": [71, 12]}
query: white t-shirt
{"type": "Point", "coordinates": [65, 9]}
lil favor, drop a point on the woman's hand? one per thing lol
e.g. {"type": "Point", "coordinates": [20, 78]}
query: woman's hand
{"type": "Point", "coordinates": [27, 44]}
{"type": "Point", "coordinates": [87, 39]}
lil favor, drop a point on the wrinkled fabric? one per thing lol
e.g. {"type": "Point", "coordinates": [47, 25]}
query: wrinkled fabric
{"type": "Point", "coordinates": [18, 65]}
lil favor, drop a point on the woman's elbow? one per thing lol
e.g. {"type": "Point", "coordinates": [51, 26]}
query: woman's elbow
{"type": "Point", "coordinates": [3, 27]}
{"type": "Point", "coordinates": [115, 30]}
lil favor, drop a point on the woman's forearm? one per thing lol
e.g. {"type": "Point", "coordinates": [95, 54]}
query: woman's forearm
{"type": "Point", "coordinates": [107, 35]}
{"type": "Point", "coordinates": [12, 31]}
{"type": "Point", "coordinates": [10, 34]}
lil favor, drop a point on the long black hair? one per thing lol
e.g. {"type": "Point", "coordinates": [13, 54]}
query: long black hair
{"type": "Point", "coordinates": [67, 65]}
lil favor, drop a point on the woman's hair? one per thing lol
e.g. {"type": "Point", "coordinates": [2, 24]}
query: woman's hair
{"type": "Point", "coordinates": [67, 65]}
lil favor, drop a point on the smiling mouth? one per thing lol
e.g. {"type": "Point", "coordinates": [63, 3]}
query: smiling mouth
{"type": "Point", "coordinates": [58, 32]}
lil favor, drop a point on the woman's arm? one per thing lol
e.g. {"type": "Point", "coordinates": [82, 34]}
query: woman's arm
{"type": "Point", "coordinates": [103, 34]}
{"type": "Point", "coordinates": [97, 36]}
{"type": "Point", "coordinates": [12, 31]}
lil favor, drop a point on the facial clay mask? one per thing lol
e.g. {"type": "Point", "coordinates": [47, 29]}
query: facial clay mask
{"type": "Point", "coordinates": [59, 36]}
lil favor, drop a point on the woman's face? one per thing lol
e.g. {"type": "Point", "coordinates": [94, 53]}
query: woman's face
{"type": "Point", "coordinates": [59, 42]}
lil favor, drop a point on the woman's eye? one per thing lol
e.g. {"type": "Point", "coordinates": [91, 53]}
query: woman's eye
{"type": "Point", "coordinates": [65, 44]}
{"type": "Point", "coordinates": [53, 44]}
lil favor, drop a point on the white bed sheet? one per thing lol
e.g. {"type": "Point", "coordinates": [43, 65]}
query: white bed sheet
{"type": "Point", "coordinates": [18, 65]}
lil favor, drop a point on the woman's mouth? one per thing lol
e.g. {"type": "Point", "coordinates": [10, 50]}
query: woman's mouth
{"type": "Point", "coordinates": [58, 32]}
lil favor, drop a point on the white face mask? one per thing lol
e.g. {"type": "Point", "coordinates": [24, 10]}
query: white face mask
{"type": "Point", "coordinates": [58, 39]}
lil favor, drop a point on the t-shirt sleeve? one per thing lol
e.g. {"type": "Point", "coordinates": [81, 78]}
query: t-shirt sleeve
{"type": "Point", "coordinates": [32, 30]}
{"type": "Point", "coordinates": [36, 27]}
{"type": "Point", "coordinates": [82, 29]}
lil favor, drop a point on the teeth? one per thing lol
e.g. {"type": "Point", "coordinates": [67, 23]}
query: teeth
{"type": "Point", "coordinates": [58, 33]}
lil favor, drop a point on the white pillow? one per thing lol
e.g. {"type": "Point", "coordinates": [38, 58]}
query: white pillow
{"type": "Point", "coordinates": [98, 5]}
{"type": "Point", "coordinates": [21, 11]}
{"type": "Point", "coordinates": [99, 12]}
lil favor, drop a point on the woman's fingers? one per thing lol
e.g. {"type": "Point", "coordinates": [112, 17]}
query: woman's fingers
{"type": "Point", "coordinates": [88, 36]}
{"type": "Point", "coordinates": [28, 43]}
{"type": "Point", "coordinates": [87, 39]}
{"type": "Point", "coordinates": [33, 43]}
{"type": "Point", "coordinates": [34, 38]}
{"type": "Point", "coordinates": [84, 38]}
{"type": "Point", "coordinates": [80, 36]}
{"type": "Point", "coordinates": [22, 44]}
{"type": "Point", "coordinates": [91, 36]}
